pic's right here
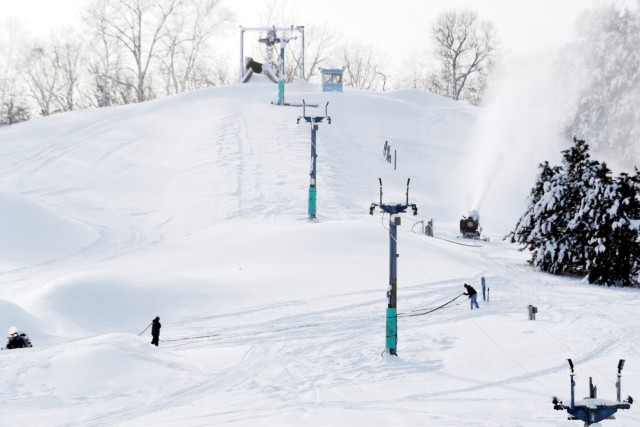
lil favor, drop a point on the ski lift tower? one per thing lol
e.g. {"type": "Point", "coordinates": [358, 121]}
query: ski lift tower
{"type": "Point", "coordinates": [394, 212]}
{"type": "Point", "coordinates": [313, 121]}
{"type": "Point", "coordinates": [270, 40]}
{"type": "Point", "coordinates": [591, 409]}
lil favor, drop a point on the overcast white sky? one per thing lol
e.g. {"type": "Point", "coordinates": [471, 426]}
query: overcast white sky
{"type": "Point", "coordinates": [401, 23]}
{"type": "Point", "coordinates": [398, 27]}
{"type": "Point", "coordinates": [527, 23]}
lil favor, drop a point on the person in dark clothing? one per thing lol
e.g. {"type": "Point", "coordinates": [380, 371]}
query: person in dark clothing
{"type": "Point", "coordinates": [155, 331]}
{"type": "Point", "coordinates": [473, 295]}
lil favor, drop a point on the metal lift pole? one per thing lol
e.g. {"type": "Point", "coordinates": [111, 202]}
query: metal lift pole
{"type": "Point", "coordinates": [392, 292]}
{"type": "Point", "coordinates": [313, 121]}
{"type": "Point", "coordinates": [391, 341]}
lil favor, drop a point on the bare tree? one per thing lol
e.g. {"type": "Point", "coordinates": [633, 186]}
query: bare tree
{"type": "Point", "coordinates": [13, 105]}
{"type": "Point", "coordinates": [42, 76]}
{"type": "Point", "coordinates": [134, 28]}
{"type": "Point", "coordinates": [51, 71]}
{"type": "Point", "coordinates": [105, 59]}
{"type": "Point", "coordinates": [12, 111]}
{"type": "Point", "coordinates": [319, 44]}
{"type": "Point", "coordinates": [362, 67]}
{"type": "Point", "coordinates": [383, 80]}
{"type": "Point", "coordinates": [111, 82]}
{"type": "Point", "coordinates": [414, 72]}
{"type": "Point", "coordinates": [111, 85]}
{"type": "Point", "coordinates": [66, 48]}
{"type": "Point", "coordinates": [185, 47]}
{"type": "Point", "coordinates": [465, 54]}
{"type": "Point", "coordinates": [219, 74]}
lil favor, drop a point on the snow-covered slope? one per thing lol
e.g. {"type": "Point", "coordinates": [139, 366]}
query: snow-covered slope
{"type": "Point", "coordinates": [194, 208]}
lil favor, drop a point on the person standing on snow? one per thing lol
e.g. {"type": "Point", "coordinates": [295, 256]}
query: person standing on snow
{"type": "Point", "coordinates": [155, 331]}
{"type": "Point", "coordinates": [473, 295]}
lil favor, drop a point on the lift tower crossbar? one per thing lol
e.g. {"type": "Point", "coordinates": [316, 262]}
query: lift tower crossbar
{"type": "Point", "coordinates": [591, 409]}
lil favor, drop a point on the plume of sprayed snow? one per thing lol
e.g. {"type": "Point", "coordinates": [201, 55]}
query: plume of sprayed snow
{"type": "Point", "coordinates": [520, 126]}
{"type": "Point", "coordinates": [529, 116]}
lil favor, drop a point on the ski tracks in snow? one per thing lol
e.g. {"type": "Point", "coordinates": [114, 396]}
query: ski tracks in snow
{"type": "Point", "coordinates": [286, 347]}
{"type": "Point", "coordinates": [256, 161]}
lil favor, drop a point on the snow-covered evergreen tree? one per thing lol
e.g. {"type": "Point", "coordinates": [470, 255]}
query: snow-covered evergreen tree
{"type": "Point", "coordinates": [634, 225]}
{"type": "Point", "coordinates": [578, 176]}
{"type": "Point", "coordinates": [524, 226]}
{"type": "Point", "coordinates": [540, 228]}
{"type": "Point", "coordinates": [591, 226]}
{"type": "Point", "coordinates": [626, 230]}
{"type": "Point", "coordinates": [614, 243]}
{"type": "Point", "coordinates": [580, 220]}
{"type": "Point", "coordinates": [560, 249]}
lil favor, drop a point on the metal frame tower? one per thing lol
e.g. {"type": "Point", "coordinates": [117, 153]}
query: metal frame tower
{"type": "Point", "coordinates": [271, 34]}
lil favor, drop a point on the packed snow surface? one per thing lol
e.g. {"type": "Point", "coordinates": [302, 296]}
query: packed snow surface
{"type": "Point", "coordinates": [194, 208]}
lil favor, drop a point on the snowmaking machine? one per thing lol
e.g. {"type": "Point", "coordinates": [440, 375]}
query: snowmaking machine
{"type": "Point", "coordinates": [17, 339]}
{"type": "Point", "coordinates": [470, 225]}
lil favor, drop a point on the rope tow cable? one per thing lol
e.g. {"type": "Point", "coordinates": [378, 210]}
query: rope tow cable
{"type": "Point", "coordinates": [145, 329]}
{"type": "Point", "coordinates": [432, 310]}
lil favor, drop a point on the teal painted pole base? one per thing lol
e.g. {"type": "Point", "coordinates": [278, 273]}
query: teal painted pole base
{"type": "Point", "coordinates": [312, 202]}
{"type": "Point", "coordinates": [280, 92]}
{"type": "Point", "coordinates": [392, 330]}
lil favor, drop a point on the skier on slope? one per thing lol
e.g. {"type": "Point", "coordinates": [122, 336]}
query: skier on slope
{"type": "Point", "coordinates": [473, 295]}
{"type": "Point", "coordinates": [155, 331]}
{"type": "Point", "coordinates": [16, 339]}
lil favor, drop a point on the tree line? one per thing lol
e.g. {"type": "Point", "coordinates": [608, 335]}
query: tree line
{"type": "Point", "coordinates": [126, 51]}
{"type": "Point", "coordinates": [581, 220]}
{"type": "Point", "coordinates": [131, 51]}
{"type": "Point", "coordinates": [600, 69]}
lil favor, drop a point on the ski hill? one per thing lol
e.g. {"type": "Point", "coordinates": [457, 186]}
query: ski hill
{"type": "Point", "coordinates": [193, 208]}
